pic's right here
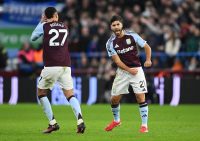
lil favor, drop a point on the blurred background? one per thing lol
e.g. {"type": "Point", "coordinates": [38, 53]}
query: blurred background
{"type": "Point", "coordinates": [171, 28]}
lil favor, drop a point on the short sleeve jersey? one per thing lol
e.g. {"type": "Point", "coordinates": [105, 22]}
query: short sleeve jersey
{"type": "Point", "coordinates": [126, 48]}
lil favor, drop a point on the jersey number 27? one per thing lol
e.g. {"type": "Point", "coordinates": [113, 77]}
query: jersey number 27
{"type": "Point", "coordinates": [52, 41]}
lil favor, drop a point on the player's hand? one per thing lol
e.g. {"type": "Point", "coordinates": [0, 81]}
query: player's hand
{"type": "Point", "coordinates": [133, 71]}
{"type": "Point", "coordinates": [147, 63]}
{"type": "Point", "coordinates": [43, 18]}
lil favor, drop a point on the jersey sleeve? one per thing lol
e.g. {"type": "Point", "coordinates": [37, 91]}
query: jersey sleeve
{"type": "Point", "coordinates": [38, 32]}
{"type": "Point", "coordinates": [109, 46]}
{"type": "Point", "coordinates": [139, 40]}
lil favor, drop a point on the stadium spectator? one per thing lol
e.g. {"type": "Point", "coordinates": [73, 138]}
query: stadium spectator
{"type": "Point", "coordinates": [83, 63]}
{"type": "Point", "coordinates": [193, 39]}
{"type": "Point", "coordinates": [93, 47]}
{"type": "Point", "coordinates": [177, 66]}
{"type": "Point", "coordinates": [93, 66]}
{"type": "Point", "coordinates": [105, 69]}
{"type": "Point", "coordinates": [103, 35]}
{"type": "Point", "coordinates": [38, 58]}
{"type": "Point", "coordinates": [106, 72]}
{"type": "Point", "coordinates": [193, 64]}
{"type": "Point", "coordinates": [156, 63]}
{"type": "Point", "coordinates": [172, 46]}
{"type": "Point", "coordinates": [25, 59]}
{"type": "Point", "coordinates": [84, 39]}
{"type": "Point", "coordinates": [3, 57]}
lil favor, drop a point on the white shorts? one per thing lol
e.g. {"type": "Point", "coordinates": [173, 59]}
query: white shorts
{"type": "Point", "coordinates": [50, 75]}
{"type": "Point", "coordinates": [124, 79]}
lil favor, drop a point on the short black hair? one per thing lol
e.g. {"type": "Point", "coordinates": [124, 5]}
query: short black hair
{"type": "Point", "coordinates": [49, 12]}
{"type": "Point", "coordinates": [116, 18]}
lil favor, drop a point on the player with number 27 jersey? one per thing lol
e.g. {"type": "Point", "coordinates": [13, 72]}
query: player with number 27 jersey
{"type": "Point", "coordinates": [57, 67]}
{"type": "Point", "coordinates": [54, 43]}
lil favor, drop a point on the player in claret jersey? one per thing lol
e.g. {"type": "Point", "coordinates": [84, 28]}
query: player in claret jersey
{"type": "Point", "coordinates": [122, 47]}
{"type": "Point", "coordinates": [57, 67]}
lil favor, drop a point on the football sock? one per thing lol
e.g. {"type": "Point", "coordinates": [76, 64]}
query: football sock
{"type": "Point", "coordinates": [52, 122]}
{"type": "Point", "coordinates": [75, 107]}
{"type": "Point", "coordinates": [116, 112]}
{"type": "Point", "coordinates": [144, 113]}
{"type": "Point", "coordinates": [47, 109]}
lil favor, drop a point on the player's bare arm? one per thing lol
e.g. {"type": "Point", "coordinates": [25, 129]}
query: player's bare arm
{"type": "Point", "coordinates": [121, 65]}
{"type": "Point", "coordinates": [147, 49]}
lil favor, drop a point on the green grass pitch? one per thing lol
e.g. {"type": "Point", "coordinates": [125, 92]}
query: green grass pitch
{"type": "Point", "coordinates": [24, 122]}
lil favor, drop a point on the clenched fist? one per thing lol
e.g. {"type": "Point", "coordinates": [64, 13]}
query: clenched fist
{"type": "Point", "coordinates": [147, 63]}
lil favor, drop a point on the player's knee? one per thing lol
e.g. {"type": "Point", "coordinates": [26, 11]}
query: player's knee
{"type": "Point", "coordinates": [42, 93]}
{"type": "Point", "coordinates": [68, 93]}
{"type": "Point", "coordinates": [115, 100]}
{"type": "Point", "coordinates": [140, 98]}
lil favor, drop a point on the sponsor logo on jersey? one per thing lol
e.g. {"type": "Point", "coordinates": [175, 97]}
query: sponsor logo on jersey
{"type": "Point", "coordinates": [128, 41]}
{"type": "Point", "coordinates": [116, 46]}
{"type": "Point", "coordinates": [122, 51]}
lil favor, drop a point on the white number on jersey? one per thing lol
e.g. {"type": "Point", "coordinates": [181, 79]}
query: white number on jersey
{"type": "Point", "coordinates": [52, 41]}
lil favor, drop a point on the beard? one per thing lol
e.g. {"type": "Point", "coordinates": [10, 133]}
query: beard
{"type": "Point", "coordinates": [118, 32]}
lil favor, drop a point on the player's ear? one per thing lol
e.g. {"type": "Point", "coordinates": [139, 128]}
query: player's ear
{"type": "Point", "coordinates": [55, 15]}
{"type": "Point", "coordinates": [122, 25]}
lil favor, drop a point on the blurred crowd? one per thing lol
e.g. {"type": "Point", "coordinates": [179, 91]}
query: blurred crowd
{"type": "Point", "coordinates": [171, 28]}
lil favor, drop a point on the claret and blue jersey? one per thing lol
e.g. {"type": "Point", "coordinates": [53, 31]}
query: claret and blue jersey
{"type": "Point", "coordinates": [54, 43]}
{"type": "Point", "coordinates": [126, 48]}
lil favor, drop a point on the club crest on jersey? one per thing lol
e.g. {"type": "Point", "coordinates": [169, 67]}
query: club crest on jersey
{"type": "Point", "coordinates": [116, 46]}
{"type": "Point", "coordinates": [128, 41]}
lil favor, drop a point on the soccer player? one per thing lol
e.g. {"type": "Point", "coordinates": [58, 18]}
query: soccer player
{"type": "Point", "coordinates": [122, 47]}
{"type": "Point", "coordinates": [57, 67]}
